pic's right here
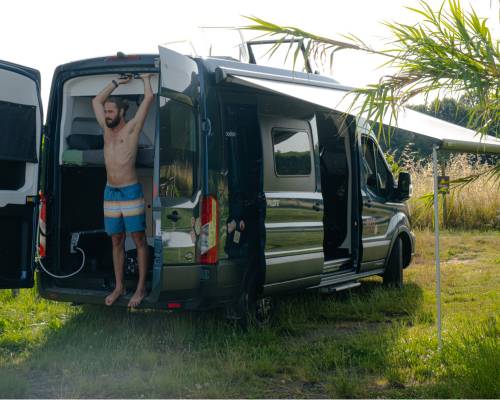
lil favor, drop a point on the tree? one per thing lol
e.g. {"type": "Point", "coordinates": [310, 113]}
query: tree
{"type": "Point", "coordinates": [450, 53]}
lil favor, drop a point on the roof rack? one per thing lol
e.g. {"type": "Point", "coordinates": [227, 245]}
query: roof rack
{"type": "Point", "coordinates": [300, 42]}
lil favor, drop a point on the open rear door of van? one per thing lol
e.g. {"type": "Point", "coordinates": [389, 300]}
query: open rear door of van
{"type": "Point", "coordinates": [179, 168]}
{"type": "Point", "coordinates": [20, 135]}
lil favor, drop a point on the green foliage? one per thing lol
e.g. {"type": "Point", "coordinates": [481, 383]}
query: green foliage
{"type": "Point", "coordinates": [450, 52]}
{"type": "Point", "coordinates": [391, 160]}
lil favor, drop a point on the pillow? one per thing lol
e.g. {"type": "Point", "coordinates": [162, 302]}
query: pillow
{"type": "Point", "coordinates": [80, 141]}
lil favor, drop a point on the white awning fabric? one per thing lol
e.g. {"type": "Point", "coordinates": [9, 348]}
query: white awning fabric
{"type": "Point", "coordinates": [451, 137]}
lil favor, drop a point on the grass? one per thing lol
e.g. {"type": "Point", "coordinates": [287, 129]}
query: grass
{"type": "Point", "coordinates": [368, 342]}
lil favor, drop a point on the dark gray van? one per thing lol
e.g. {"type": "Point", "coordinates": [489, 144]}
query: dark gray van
{"type": "Point", "coordinates": [249, 191]}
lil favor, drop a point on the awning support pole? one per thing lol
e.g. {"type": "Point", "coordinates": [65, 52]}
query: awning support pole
{"type": "Point", "coordinates": [436, 240]}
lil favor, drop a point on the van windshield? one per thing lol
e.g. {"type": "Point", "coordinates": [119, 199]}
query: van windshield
{"type": "Point", "coordinates": [178, 149]}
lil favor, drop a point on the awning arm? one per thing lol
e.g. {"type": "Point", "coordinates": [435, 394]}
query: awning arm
{"type": "Point", "coordinates": [436, 241]}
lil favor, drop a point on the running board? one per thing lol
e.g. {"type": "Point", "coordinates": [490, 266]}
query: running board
{"type": "Point", "coordinates": [332, 289]}
{"type": "Point", "coordinates": [345, 277]}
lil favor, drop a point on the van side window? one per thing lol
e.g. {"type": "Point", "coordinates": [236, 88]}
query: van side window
{"type": "Point", "coordinates": [178, 149]}
{"type": "Point", "coordinates": [376, 173]}
{"type": "Point", "coordinates": [292, 152]}
{"type": "Point", "coordinates": [369, 164]}
{"type": "Point", "coordinates": [382, 173]}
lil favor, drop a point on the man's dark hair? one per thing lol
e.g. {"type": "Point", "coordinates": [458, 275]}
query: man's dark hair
{"type": "Point", "coordinates": [121, 104]}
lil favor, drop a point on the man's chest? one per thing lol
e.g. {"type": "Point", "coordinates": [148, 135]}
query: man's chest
{"type": "Point", "coordinates": [119, 142]}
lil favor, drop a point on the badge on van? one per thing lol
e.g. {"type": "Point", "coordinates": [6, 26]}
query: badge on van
{"type": "Point", "coordinates": [273, 202]}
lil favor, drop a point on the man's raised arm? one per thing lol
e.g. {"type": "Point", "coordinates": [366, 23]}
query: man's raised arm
{"type": "Point", "coordinates": [100, 99]}
{"type": "Point", "coordinates": [142, 111]}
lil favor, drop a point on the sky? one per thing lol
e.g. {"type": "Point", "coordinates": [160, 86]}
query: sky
{"type": "Point", "coordinates": [45, 34]}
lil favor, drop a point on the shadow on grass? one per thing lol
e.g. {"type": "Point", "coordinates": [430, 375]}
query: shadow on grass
{"type": "Point", "coordinates": [319, 346]}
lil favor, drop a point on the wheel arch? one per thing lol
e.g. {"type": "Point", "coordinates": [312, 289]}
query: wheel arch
{"type": "Point", "coordinates": [407, 242]}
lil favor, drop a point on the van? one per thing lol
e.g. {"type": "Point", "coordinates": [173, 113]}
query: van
{"type": "Point", "coordinates": [250, 190]}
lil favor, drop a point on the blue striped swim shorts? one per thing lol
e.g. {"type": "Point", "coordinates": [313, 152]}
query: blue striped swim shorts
{"type": "Point", "coordinates": [124, 209]}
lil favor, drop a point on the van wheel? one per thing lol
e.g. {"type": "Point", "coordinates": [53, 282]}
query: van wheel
{"type": "Point", "coordinates": [252, 309]}
{"type": "Point", "coordinates": [393, 274]}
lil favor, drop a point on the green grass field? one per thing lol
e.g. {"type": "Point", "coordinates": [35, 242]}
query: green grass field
{"type": "Point", "coordinates": [369, 342]}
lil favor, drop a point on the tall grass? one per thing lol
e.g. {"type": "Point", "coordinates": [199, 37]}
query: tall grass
{"type": "Point", "coordinates": [475, 206]}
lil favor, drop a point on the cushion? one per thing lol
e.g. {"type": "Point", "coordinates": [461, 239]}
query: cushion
{"type": "Point", "coordinates": [80, 141]}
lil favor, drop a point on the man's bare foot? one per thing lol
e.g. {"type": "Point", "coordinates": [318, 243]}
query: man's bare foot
{"type": "Point", "coordinates": [137, 298]}
{"type": "Point", "coordinates": [113, 296]}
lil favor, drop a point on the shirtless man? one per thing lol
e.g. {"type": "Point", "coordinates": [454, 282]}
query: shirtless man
{"type": "Point", "coordinates": [123, 196]}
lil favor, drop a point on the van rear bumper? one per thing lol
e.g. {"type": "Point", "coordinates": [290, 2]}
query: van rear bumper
{"type": "Point", "coordinates": [193, 287]}
{"type": "Point", "coordinates": [87, 296]}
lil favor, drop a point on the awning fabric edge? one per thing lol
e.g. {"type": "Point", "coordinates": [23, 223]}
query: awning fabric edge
{"type": "Point", "coordinates": [408, 120]}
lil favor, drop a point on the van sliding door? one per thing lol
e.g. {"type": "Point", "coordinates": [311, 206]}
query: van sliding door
{"type": "Point", "coordinates": [20, 135]}
{"type": "Point", "coordinates": [294, 210]}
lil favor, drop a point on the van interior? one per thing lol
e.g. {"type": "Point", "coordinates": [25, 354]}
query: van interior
{"type": "Point", "coordinates": [336, 182]}
{"type": "Point", "coordinates": [83, 178]}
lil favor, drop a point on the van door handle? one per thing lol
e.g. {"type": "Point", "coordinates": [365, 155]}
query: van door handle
{"type": "Point", "coordinates": [317, 207]}
{"type": "Point", "coordinates": [174, 216]}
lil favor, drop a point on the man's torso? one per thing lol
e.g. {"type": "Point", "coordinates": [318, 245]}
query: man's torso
{"type": "Point", "coordinates": [120, 150]}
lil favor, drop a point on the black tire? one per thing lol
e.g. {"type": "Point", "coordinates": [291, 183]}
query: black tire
{"type": "Point", "coordinates": [252, 309]}
{"type": "Point", "coordinates": [393, 274]}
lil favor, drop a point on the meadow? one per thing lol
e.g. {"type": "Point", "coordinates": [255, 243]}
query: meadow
{"type": "Point", "coordinates": [367, 342]}
{"type": "Point", "coordinates": [474, 206]}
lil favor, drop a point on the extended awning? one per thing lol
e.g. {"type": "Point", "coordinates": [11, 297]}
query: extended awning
{"type": "Point", "coordinates": [450, 136]}
{"type": "Point", "coordinates": [333, 96]}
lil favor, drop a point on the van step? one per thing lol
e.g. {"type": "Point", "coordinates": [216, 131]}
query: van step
{"type": "Point", "coordinates": [332, 289]}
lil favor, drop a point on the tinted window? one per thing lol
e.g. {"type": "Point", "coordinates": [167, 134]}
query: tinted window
{"type": "Point", "coordinates": [292, 152]}
{"type": "Point", "coordinates": [369, 164]}
{"type": "Point", "coordinates": [377, 176]}
{"type": "Point", "coordinates": [178, 149]}
{"type": "Point", "coordinates": [382, 173]}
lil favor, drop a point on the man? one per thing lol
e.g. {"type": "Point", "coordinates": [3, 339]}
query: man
{"type": "Point", "coordinates": [123, 197]}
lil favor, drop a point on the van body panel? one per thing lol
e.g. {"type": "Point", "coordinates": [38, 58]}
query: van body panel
{"type": "Point", "coordinates": [291, 267]}
{"type": "Point", "coordinates": [379, 226]}
{"type": "Point", "coordinates": [180, 277]}
{"type": "Point", "coordinates": [21, 129]}
{"type": "Point", "coordinates": [291, 285]}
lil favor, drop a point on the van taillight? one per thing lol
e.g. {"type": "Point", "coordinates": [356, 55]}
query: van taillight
{"type": "Point", "coordinates": [209, 230]}
{"type": "Point", "coordinates": [42, 228]}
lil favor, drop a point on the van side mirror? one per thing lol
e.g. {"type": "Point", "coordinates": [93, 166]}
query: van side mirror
{"type": "Point", "coordinates": [404, 189]}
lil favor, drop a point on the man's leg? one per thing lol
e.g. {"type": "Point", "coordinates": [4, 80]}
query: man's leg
{"type": "Point", "coordinates": [118, 241]}
{"type": "Point", "coordinates": [143, 261]}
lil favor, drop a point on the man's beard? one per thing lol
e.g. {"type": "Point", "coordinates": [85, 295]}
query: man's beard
{"type": "Point", "coordinates": [113, 123]}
